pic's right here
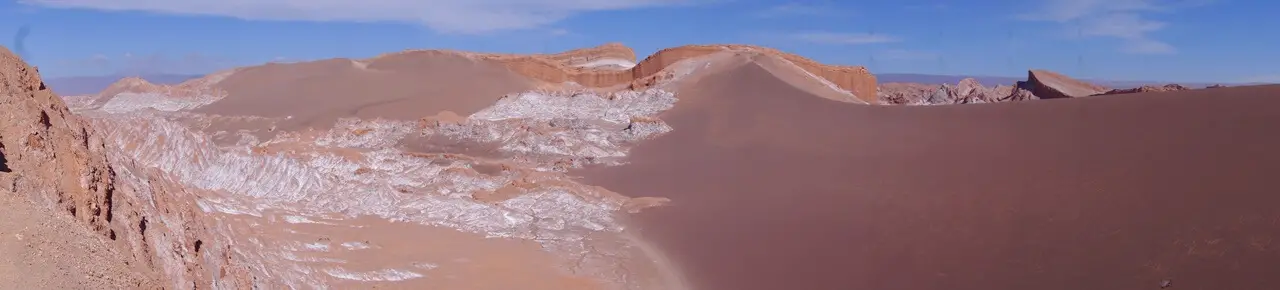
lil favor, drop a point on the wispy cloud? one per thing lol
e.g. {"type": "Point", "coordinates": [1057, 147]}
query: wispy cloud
{"type": "Point", "coordinates": [845, 38]}
{"type": "Point", "coordinates": [448, 16]}
{"type": "Point", "coordinates": [907, 55]}
{"type": "Point", "coordinates": [797, 10]}
{"type": "Point", "coordinates": [1126, 20]}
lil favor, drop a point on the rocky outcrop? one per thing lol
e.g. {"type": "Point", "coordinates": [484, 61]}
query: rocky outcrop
{"type": "Point", "coordinates": [53, 157]}
{"type": "Point", "coordinates": [1051, 85]}
{"type": "Point", "coordinates": [1148, 89]}
{"type": "Point", "coordinates": [967, 91]}
{"type": "Point", "coordinates": [59, 161]}
{"type": "Point", "coordinates": [569, 68]}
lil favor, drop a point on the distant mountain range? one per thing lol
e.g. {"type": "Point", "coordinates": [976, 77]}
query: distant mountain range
{"type": "Point", "coordinates": [87, 85]}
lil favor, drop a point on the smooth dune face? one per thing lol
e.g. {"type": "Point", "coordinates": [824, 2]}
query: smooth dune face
{"type": "Point", "coordinates": [772, 188]}
{"type": "Point", "coordinates": [405, 86]}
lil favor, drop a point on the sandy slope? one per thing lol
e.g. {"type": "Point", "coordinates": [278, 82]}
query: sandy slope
{"type": "Point", "coordinates": [40, 249]}
{"type": "Point", "coordinates": [773, 188]}
{"type": "Point", "coordinates": [405, 87]}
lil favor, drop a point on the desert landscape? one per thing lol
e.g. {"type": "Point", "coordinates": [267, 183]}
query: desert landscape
{"type": "Point", "coordinates": [696, 167]}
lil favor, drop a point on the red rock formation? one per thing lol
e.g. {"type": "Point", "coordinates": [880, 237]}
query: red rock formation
{"type": "Point", "coordinates": [1051, 85]}
{"type": "Point", "coordinates": [55, 158]}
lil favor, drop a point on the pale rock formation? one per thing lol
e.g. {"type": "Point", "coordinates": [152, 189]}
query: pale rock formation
{"type": "Point", "coordinates": [967, 91]}
{"type": "Point", "coordinates": [1052, 85]}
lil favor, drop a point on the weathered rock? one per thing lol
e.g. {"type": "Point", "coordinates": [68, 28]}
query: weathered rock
{"type": "Point", "coordinates": [1051, 85]}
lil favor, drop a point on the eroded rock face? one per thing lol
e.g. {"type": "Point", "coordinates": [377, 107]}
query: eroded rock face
{"type": "Point", "coordinates": [53, 156]}
{"type": "Point", "coordinates": [1052, 85]}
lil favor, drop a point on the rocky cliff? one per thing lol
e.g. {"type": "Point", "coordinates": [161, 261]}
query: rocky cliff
{"type": "Point", "coordinates": [50, 155]}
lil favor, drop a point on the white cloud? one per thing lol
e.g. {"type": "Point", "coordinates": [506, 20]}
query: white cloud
{"type": "Point", "coordinates": [448, 16]}
{"type": "Point", "coordinates": [1068, 10]}
{"type": "Point", "coordinates": [1126, 20]}
{"type": "Point", "coordinates": [904, 54]}
{"type": "Point", "coordinates": [845, 38]}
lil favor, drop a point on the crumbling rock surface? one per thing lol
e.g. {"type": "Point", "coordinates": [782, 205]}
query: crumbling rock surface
{"type": "Point", "coordinates": [967, 91]}
{"type": "Point", "coordinates": [1051, 85]}
{"type": "Point", "coordinates": [53, 156]}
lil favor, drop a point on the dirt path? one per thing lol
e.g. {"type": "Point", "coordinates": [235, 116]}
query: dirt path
{"type": "Point", "coordinates": [40, 249]}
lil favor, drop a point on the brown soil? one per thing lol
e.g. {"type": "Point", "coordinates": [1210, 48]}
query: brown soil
{"type": "Point", "coordinates": [42, 249]}
{"type": "Point", "coordinates": [772, 188]}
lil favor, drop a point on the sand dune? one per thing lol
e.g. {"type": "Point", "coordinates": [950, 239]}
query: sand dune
{"type": "Point", "coordinates": [773, 188]}
{"type": "Point", "coordinates": [460, 170]}
{"type": "Point", "coordinates": [405, 87]}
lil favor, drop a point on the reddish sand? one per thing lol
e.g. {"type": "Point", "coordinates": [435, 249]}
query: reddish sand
{"type": "Point", "coordinates": [773, 188]}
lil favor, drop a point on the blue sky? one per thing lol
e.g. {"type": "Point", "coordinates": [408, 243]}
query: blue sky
{"type": "Point", "coordinates": [1167, 40]}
